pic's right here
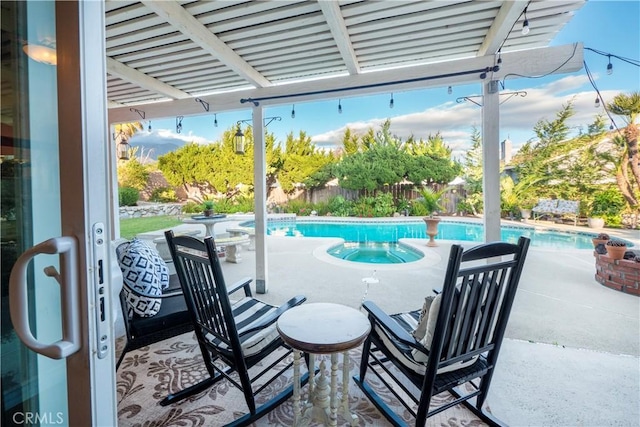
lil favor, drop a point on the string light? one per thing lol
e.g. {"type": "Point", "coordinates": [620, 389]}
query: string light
{"type": "Point", "coordinates": [609, 66]}
{"type": "Point", "coordinates": [339, 107]}
{"type": "Point", "coordinates": [149, 127]}
{"type": "Point", "coordinates": [525, 24]}
{"type": "Point", "coordinates": [449, 90]}
{"type": "Point", "coordinates": [215, 120]}
{"type": "Point", "coordinates": [597, 103]}
{"type": "Point", "coordinates": [293, 111]}
{"type": "Point", "coordinates": [391, 101]}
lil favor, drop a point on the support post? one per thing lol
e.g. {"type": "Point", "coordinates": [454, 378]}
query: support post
{"type": "Point", "coordinates": [260, 195]}
{"type": "Point", "coordinates": [491, 159]}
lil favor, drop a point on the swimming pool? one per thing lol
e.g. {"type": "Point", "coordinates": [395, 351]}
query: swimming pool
{"type": "Point", "coordinates": [391, 231]}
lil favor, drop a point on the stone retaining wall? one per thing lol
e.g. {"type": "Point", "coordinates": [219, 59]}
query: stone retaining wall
{"type": "Point", "coordinates": [151, 209]}
{"type": "Point", "coordinates": [622, 275]}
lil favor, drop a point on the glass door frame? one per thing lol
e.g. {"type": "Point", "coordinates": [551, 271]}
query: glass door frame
{"type": "Point", "coordinates": [84, 153]}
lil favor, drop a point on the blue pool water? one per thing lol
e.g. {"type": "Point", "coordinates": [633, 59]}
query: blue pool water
{"type": "Point", "coordinates": [392, 231]}
{"type": "Point", "coordinates": [375, 253]}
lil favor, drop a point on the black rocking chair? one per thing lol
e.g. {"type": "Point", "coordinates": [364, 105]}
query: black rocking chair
{"type": "Point", "coordinates": [240, 334]}
{"type": "Point", "coordinates": [466, 331]}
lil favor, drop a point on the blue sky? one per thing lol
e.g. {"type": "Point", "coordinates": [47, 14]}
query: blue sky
{"type": "Point", "coordinates": [609, 26]}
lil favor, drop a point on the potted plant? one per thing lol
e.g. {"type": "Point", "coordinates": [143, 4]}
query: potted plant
{"type": "Point", "coordinates": [430, 201]}
{"type": "Point", "coordinates": [207, 207]}
{"type": "Point", "coordinates": [525, 205]}
{"type": "Point", "coordinates": [616, 249]}
{"type": "Point", "coordinates": [599, 241]}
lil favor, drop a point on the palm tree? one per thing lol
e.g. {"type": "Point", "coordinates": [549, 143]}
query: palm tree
{"type": "Point", "coordinates": [628, 107]}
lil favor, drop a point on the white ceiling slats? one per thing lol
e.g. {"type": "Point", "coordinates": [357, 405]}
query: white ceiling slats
{"type": "Point", "coordinates": [176, 49]}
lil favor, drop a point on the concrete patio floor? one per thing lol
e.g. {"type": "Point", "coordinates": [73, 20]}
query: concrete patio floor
{"type": "Point", "coordinates": [572, 347]}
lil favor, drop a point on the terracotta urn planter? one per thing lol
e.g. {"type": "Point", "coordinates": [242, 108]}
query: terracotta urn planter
{"type": "Point", "coordinates": [615, 250]}
{"type": "Point", "coordinates": [432, 229]}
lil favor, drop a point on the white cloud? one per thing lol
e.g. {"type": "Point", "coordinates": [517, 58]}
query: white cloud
{"type": "Point", "coordinates": [171, 135]}
{"type": "Point", "coordinates": [518, 115]}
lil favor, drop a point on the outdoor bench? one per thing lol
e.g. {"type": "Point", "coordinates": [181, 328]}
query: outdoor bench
{"type": "Point", "coordinates": [557, 207]}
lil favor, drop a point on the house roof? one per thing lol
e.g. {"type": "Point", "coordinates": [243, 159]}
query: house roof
{"type": "Point", "coordinates": [181, 50]}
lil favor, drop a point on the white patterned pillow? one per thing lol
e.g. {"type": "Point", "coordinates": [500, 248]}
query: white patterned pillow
{"type": "Point", "coordinates": [145, 272]}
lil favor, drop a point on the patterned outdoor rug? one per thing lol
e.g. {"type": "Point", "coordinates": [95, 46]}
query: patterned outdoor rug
{"type": "Point", "coordinates": [147, 375]}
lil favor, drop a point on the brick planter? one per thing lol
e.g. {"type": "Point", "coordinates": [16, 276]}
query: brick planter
{"type": "Point", "coordinates": [622, 275]}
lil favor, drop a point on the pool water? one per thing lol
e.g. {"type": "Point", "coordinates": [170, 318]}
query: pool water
{"type": "Point", "coordinates": [390, 232]}
{"type": "Point", "coordinates": [375, 253]}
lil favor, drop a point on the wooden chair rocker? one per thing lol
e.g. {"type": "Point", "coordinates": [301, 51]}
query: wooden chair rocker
{"type": "Point", "coordinates": [453, 345]}
{"type": "Point", "coordinates": [240, 334]}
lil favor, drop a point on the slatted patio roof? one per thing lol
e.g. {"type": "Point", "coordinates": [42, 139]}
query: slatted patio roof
{"type": "Point", "coordinates": [174, 50]}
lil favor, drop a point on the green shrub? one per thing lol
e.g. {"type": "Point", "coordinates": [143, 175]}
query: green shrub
{"type": "Point", "coordinates": [237, 204]}
{"type": "Point", "coordinates": [402, 203]}
{"type": "Point", "coordinates": [128, 196]}
{"type": "Point", "coordinates": [608, 204]}
{"type": "Point", "coordinates": [321, 208]}
{"type": "Point", "coordinates": [133, 174]}
{"type": "Point", "coordinates": [191, 208]}
{"type": "Point", "coordinates": [298, 207]}
{"type": "Point", "coordinates": [339, 206]}
{"type": "Point", "coordinates": [383, 205]}
{"type": "Point", "coordinates": [163, 195]}
{"type": "Point", "coordinates": [419, 209]}
{"type": "Point", "coordinates": [364, 207]}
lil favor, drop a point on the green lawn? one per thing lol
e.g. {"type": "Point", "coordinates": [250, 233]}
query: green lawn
{"type": "Point", "coordinates": [131, 226]}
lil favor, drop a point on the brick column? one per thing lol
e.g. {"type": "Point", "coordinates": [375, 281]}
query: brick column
{"type": "Point", "coordinates": [622, 275]}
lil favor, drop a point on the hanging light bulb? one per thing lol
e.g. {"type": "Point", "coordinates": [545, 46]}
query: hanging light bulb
{"type": "Point", "coordinates": [149, 127]}
{"type": "Point", "coordinates": [611, 126]}
{"type": "Point", "coordinates": [179, 124]}
{"type": "Point", "coordinates": [293, 111]}
{"type": "Point", "coordinates": [609, 66]}
{"type": "Point", "coordinates": [391, 101]}
{"type": "Point", "coordinates": [449, 90]}
{"type": "Point", "coordinates": [339, 107]}
{"type": "Point", "coordinates": [525, 24]}
{"type": "Point", "coordinates": [215, 120]}
{"type": "Point", "coordinates": [597, 103]}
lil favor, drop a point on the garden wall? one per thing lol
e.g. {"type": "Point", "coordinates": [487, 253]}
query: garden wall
{"type": "Point", "coordinates": [150, 209]}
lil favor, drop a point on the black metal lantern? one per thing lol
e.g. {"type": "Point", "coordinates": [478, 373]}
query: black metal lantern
{"type": "Point", "coordinates": [123, 146]}
{"type": "Point", "coordinates": [238, 141]}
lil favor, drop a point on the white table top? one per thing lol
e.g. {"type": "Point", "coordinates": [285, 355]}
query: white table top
{"type": "Point", "coordinates": [322, 328]}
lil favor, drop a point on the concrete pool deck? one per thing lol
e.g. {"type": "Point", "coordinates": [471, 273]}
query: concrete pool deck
{"type": "Point", "coordinates": [572, 346]}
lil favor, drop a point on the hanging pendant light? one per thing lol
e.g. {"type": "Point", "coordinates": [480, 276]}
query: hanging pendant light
{"type": "Point", "coordinates": [123, 146]}
{"type": "Point", "coordinates": [238, 141]}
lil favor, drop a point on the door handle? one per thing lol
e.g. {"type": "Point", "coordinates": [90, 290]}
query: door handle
{"type": "Point", "coordinates": [67, 247]}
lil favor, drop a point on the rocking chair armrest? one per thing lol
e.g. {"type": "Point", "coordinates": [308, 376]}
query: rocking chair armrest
{"type": "Point", "coordinates": [245, 283]}
{"type": "Point", "coordinates": [379, 317]}
{"type": "Point", "coordinates": [273, 317]}
{"type": "Point", "coordinates": [171, 294]}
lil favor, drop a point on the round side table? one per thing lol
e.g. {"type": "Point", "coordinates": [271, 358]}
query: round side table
{"type": "Point", "coordinates": [323, 328]}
